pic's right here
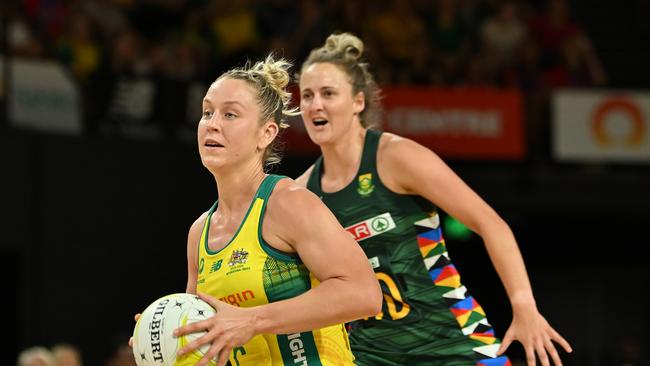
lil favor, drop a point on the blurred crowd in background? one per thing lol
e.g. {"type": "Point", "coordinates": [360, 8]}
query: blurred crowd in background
{"type": "Point", "coordinates": [66, 354]}
{"type": "Point", "coordinates": [509, 43]}
{"type": "Point", "coordinates": [124, 54]}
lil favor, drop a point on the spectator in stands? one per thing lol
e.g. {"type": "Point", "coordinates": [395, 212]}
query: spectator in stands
{"type": "Point", "coordinates": [77, 47]}
{"type": "Point", "coordinates": [581, 66]}
{"type": "Point", "coordinates": [121, 356]}
{"type": "Point", "coordinates": [396, 47]}
{"type": "Point", "coordinates": [66, 354]}
{"type": "Point", "coordinates": [551, 29]}
{"type": "Point", "coordinates": [36, 356]}
{"type": "Point", "coordinates": [109, 17]}
{"type": "Point", "coordinates": [420, 69]}
{"type": "Point", "coordinates": [450, 39]}
{"type": "Point", "coordinates": [48, 16]}
{"type": "Point", "coordinates": [502, 36]}
{"type": "Point", "coordinates": [22, 40]}
{"type": "Point", "coordinates": [314, 24]}
{"type": "Point", "coordinates": [235, 31]}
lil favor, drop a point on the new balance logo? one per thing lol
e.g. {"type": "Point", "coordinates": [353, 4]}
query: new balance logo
{"type": "Point", "coordinates": [216, 266]}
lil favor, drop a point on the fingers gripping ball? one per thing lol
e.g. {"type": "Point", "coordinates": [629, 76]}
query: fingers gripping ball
{"type": "Point", "coordinates": [153, 341]}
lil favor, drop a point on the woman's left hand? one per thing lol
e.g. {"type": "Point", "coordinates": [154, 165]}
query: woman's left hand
{"type": "Point", "coordinates": [230, 327]}
{"type": "Point", "coordinates": [536, 335]}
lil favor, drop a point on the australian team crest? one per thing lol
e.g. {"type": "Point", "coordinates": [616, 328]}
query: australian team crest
{"type": "Point", "coordinates": [365, 185]}
{"type": "Point", "coordinates": [239, 256]}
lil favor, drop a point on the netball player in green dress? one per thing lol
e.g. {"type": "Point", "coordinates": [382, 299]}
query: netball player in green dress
{"type": "Point", "coordinates": [384, 189]}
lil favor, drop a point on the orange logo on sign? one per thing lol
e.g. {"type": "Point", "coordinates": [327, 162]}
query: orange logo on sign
{"type": "Point", "coordinates": [618, 105]}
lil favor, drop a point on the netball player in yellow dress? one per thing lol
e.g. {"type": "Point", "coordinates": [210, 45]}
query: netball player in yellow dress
{"type": "Point", "coordinates": [269, 256]}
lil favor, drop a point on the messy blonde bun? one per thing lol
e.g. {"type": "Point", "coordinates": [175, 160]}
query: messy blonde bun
{"type": "Point", "coordinates": [350, 47]}
{"type": "Point", "coordinates": [269, 79]}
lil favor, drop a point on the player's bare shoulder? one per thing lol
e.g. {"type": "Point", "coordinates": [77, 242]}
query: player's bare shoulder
{"type": "Point", "coordinates": [392, 145]}
{"type": "Point", "coordinates": [290, 196]}
{"type": "Point", "coordinates": [396, 156]}
{"type": "Point", "coordinates": [199, 222]}
{"type": "Point", "coordinates": [290, 211]}
{"type": "Point", "coordinates": [196, 228]}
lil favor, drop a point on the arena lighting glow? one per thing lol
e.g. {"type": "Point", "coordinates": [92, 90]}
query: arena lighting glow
{"type": "Point", "coordinates": [456, 230]}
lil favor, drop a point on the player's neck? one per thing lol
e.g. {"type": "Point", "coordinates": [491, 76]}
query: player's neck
{"type": "Point", "coordinates": [341, 160]}
{"type": "Point", "coordinates": [237, 189]}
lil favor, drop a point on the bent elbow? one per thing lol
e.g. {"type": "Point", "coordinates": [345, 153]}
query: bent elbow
{"type": "Point", "coordinates": [375, 307]}
{"type": "Point", "coordinates": [374, 299]}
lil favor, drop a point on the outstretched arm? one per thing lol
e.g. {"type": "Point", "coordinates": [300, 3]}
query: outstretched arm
{"type": "Point", "coordinates": [425, 174]}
